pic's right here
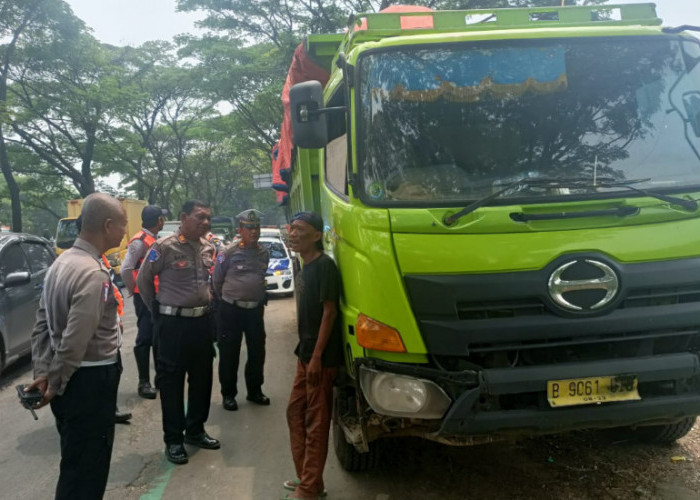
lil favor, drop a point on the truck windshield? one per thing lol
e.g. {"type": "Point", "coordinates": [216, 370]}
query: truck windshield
{"type": "Point", "coordinates": [66, 233]}
{"type": "Point", "coordinates": [455, 123]}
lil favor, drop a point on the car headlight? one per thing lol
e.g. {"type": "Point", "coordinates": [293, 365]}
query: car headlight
{"type": "Point", "coordinates": [283, 272]}
{"type": "Point", "coordinates": [403, 396]}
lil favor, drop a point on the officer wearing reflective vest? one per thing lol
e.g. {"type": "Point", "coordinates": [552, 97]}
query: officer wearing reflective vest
{"type": "Point", "coordinates": [180, 307]}
{"type": "Point", "coordinates": [152, 223]}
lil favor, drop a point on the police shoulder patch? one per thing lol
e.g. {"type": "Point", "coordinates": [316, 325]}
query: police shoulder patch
{"type": "Point", "coordinates": [221, 257]}
{"type": "Point", "coordinates": [153, 255]}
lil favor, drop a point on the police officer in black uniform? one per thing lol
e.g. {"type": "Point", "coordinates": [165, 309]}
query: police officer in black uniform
{"type": "Point", "coordinates": [183, 262]}
{"type": "Point", "coordinates": [151, 222]}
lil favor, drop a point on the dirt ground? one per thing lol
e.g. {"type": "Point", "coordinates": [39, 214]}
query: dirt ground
{"type": "Point", "coordinates": [581, 465]}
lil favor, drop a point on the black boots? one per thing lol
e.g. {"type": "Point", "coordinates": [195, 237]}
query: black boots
{"type": "Point", "coordinates": [146, 391]}
{"type": "Point", "coordinates": [142, 355]}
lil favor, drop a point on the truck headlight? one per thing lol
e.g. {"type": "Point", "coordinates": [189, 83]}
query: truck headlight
{"type": "Point", "coordinates": [403, 396]}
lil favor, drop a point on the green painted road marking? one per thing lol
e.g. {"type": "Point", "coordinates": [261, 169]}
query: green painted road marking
{"type": "Point", "coordinates": [159, 485]}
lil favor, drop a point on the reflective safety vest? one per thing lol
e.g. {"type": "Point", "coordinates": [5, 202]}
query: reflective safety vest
{"type": "Point", "coordinates": [115, 288]}
{"type": "Point", "coordinates": [148, 240]}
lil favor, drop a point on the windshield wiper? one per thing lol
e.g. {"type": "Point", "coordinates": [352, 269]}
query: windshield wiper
{"type": "Point", "coordinates": [604, 182]}
{"type": "Point", "coordinates": [554, 182]}
{"type": "Point", "coordinates": [623, 211]}
{"type": "Point", "coordinates": [690, 205]}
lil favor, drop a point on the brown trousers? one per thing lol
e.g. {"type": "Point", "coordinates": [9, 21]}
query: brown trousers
{"type": "Point", "coordinates": [309, 419]}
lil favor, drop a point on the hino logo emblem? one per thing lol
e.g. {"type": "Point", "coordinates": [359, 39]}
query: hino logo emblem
{"type": "Point", "coordinates": [607, 282]}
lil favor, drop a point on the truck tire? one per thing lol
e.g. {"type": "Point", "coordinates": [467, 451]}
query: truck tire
{"type": "Point", "coordinates": [664, 434]}
{"type": "Point", "coordinates": [350, 459]}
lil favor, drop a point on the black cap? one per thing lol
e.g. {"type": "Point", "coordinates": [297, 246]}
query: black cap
{"type": "Point", "coordinates": [311, 218]}
{"type": "Point", "coordinates": [150, 215]}
{"type": "Point", "coordinates": [249, 218]}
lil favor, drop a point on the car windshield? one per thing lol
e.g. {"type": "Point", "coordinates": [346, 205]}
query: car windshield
{"type": "Point", "coordinates": [457, 123]}
{"type": "Point", "coordinates": [168, 229]}
{"type": "Point", "coordinates": [66, 233]}
{"type": "Point", "coordinates": [276, 249]}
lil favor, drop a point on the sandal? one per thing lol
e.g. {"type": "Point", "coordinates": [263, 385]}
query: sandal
{"type": "Point", "coordinates": [291, 485]}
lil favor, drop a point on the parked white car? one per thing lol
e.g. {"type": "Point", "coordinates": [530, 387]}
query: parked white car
{"type": "Point", "coordinates": [279, 278]}
{"type": "Point", "coordinates": [270, 232]}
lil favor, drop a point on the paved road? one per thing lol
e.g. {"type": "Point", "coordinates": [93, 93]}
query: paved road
{"type": "Point", "coordinates": [254, 459]}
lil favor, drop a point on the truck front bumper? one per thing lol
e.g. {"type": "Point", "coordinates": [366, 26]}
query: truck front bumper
{"type": "Point", "coordinates": [668, 384]}
{"type": "Point", "coordinates": [678, 370]}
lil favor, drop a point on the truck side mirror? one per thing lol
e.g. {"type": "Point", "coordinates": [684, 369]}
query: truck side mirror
{"type": "Point", "coordinates": [309, 127]}
{"type": "Point", "coordinates": [691, 102]}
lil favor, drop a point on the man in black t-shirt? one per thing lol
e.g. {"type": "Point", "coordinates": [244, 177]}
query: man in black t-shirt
{"type": "Point", "coordinates": [320, 353]}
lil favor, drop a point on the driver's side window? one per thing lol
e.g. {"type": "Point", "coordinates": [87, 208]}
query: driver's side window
{"type": "Point", "coordinates": [12, 260]}
{"type": "Point", "coordinates": [337, 164]}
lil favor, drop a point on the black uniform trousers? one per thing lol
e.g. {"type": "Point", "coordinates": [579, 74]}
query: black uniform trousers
{"type": "Point", "coordinates": [144, 322]}
{"type": "Point", "coordinates": [85, 421]}
{"type": "Point", "coordinates": [233, 323]}
{"type": "Point", "coordinates": [184, 349]}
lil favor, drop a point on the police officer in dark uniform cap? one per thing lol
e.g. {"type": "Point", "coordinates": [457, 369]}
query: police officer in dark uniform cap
{"type": "Point", "coordinates": [239, 283]}
{"type": "Point", "coordinates": [183, 263]}
{"type": "Point", "coordinates": [152, 222]}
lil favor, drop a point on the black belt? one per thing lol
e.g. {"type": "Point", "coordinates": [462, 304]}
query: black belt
{"type": "Point", "coordinates": [245, 304]}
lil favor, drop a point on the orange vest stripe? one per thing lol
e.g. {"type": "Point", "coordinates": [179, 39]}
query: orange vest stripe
{"type": "Point", "coordinates": [115, 289]}
{"type": "Point", "coordinates": [148, 240]}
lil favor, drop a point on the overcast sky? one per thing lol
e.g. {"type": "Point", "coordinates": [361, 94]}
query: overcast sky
{"type": "Point", "coordinates": [132, 22]}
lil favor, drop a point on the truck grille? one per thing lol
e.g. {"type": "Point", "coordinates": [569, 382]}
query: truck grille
{"type": "Point", "coordinates": [509, 319]}
{"type": "Point", "coordinates": [535, 307]}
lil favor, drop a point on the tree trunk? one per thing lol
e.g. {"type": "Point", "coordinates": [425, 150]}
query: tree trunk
{"type": "Point", "coordinates": [87, 181]}
{"type": "Point", "coordinates": [11, 186]}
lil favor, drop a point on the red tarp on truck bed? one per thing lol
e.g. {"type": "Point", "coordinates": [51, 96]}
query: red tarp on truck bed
{"type": "Point", "coordinates": [303, 69]}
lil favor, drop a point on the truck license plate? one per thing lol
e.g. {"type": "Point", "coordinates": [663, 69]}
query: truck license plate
{"type": "Point", "coordinates": [591, 390]}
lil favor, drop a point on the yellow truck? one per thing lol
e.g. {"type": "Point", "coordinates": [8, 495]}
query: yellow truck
{"type": "Point", "coordinates": [67, 229]}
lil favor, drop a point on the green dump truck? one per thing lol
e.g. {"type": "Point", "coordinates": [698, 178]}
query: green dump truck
{"type": "Point", "coordinates": [511, 198]}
